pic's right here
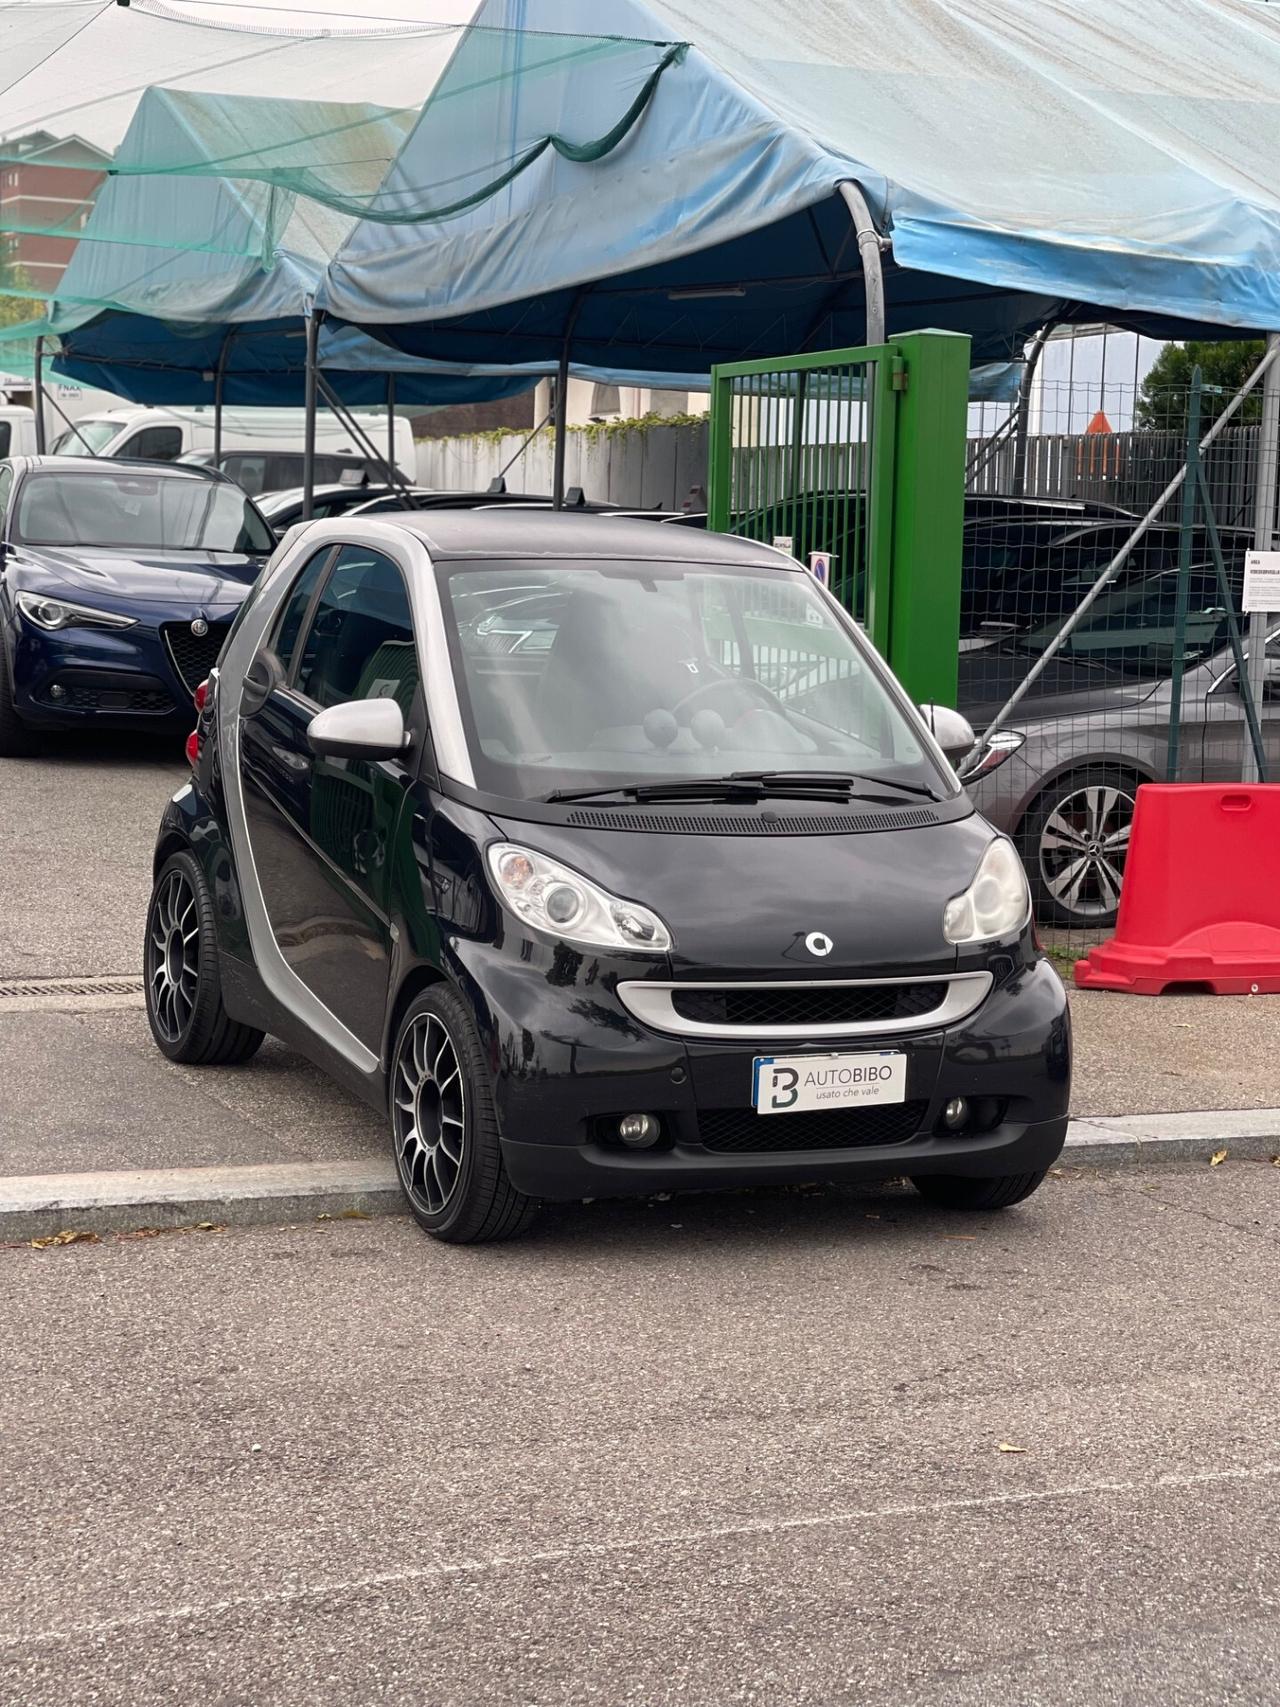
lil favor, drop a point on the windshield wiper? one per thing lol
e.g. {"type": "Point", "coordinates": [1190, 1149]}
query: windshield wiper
{"type": "Point", "coordinates": [833, 780]}
{"type": "Point", "coordinates": [668, 788]}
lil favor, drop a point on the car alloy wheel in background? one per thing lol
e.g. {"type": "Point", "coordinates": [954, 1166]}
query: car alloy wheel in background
{"type": "Point", "coordinates": [1075, 843]}
{"type": "Point", "coordinates": [181, 975]}
{"type": "Point", "coordinates": [173, 955]}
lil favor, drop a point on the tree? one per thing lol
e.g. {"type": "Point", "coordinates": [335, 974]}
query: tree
{"type": "Point", "coordinates": [1224, 367]}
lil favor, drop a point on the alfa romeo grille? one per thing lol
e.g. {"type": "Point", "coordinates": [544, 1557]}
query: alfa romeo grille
{"type": "Point", "coordinates": [193, 655]}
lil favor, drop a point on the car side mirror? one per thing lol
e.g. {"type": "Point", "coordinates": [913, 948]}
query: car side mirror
{"type": "Point", "coordinates": [953, 733]}
{"type": "Point", "coordinates": [359, 729]}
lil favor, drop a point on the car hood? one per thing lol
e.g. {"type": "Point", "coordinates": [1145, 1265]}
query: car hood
{"type": "Point", "coordinates": [745, 903]}
{"type": "Point", "coordinates": [117, 580]}
{"type": "Point", "coordinates": [1065, 688]}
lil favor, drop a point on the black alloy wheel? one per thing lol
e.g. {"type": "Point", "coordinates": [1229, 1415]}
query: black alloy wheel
{"type": "Point", "coordinates": [444, 1127]}
{"type": "Point", "coordinates": [958, 1191]}
{"type": "Point", "coordinates": [180, 968]}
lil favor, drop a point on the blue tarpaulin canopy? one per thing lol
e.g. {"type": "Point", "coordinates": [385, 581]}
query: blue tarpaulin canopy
{"type": "Point", "coordinates": [661, 208]}
{"type": "Point", "coordinates": [179, 272]}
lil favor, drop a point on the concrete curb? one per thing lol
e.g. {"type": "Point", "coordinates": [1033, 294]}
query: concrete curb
{"type": "Point", "coordinates": [39, 1204]}
{"type": "Point", "coordinates": [36, 1205]}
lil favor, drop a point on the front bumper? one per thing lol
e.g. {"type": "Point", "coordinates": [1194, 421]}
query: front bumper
{"type": "Point", "coordinates": [562, 1081]}
{"type": "Point", "coordinates": [118, 678]}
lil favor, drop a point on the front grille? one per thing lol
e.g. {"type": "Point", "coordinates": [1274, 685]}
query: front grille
{"type": "Point", "coordinates": [193, 655]}
{"type": "Point", "coordinates": [742, 1129]}
{"type": "Point", "coordinates": [814, 1005]}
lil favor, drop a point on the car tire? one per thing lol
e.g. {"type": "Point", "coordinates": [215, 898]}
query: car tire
{"type": "Point", "coordinates": [1094, 808]}
{"type": "Point", "coordinates": [444, 1129]}
{"type": "Point", "coordinates": [957, 1191]}
{"type": "Point", "coordinates": [16, 740]}
{"type": "Point", "coordinates": [181, 973]}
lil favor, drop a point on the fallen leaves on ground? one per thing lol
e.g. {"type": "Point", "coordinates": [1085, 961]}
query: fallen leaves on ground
{"type": "Point", "coordinates": [66, 1236]}
{"type": "Point", "coordinates": [345, 1215]}
{"type": "Point", "coordinates": [1217, 1158]}
{"type": "Point", "coordinates": [1275, 1161]}
{"type": "Point", "coordinates": [1008, 1446]}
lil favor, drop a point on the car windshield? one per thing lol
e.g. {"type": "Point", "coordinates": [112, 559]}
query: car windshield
{"type": "Point", "coordinates": [151, 512]}
{"type": "Point", "coordinates": [616, 674]}
{"type": "Point", "coordinates": [1131, 629]}
{"type": "Point", "coordinates": [85, 438]}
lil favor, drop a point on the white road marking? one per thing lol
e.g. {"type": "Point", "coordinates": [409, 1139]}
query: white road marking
{"type": "Point", "coordinates": [604, 1549]}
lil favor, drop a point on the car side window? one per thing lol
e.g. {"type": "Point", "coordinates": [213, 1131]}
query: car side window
{"type": "Point", "coordinates": [248, 472]}
{"type": "Point", "coordinates": [359, 644]}
{"type": "Point", "coordinates": [154, 444]}
{"type": "Point", "coordinates": [296, 606]}
{"type": "Point", "coordinates": [6, 488]}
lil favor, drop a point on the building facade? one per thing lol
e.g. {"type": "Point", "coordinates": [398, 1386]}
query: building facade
{"type": "Point", "coordinates": [47, 187]}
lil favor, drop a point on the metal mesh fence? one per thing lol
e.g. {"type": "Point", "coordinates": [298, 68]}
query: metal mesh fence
{"type": "Point", "coordinates": [1141, 684]}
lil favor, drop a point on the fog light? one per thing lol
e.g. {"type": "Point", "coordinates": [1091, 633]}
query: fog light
{"type": "Point", "coordinates": [955, 1114]}
{"type": "Point", "coordinates": [57, 691]}
{"type": "Point", "coordinates": [638, 1131]}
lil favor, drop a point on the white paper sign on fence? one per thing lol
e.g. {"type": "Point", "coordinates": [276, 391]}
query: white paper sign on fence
{"type": "Point", "coordinates": [1262, 580]}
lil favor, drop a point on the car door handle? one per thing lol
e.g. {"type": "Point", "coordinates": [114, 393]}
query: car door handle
{"type": "Point", "coordinates": [264, 675]}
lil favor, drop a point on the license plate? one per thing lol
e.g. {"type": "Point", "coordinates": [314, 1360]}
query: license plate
{"type": "Point", "coordinates": [786, 1084]}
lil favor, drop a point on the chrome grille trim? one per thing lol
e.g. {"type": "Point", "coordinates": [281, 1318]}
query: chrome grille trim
{"type": "Point", "coordinates": [649, 1001]}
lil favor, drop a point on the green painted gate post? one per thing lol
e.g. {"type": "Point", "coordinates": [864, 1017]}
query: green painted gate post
{"type": "Point", "coordinates": [928, 514]}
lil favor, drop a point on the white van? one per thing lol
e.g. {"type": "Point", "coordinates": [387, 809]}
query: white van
{"type": "Point", "coordinates": [17, 430]}
{"type": "Point", "coordinates": [261, 448]}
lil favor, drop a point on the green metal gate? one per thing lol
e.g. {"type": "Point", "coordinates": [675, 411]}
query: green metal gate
{"type": "Point", "coordinates": [859, 454]}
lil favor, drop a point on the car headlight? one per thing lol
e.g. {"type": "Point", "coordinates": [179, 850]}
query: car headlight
{"type": "Point", "coordinates": [991, 754]}
{"type": "Point", "coordinates": [565, 904]}
{"type": "Point", "coordinates": [53, 614]}
{"type": "Point", "coordinates": [997, 903]}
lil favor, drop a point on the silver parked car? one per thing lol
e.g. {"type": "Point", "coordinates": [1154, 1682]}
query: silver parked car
{"type": "Point", "coordinates": [1062, 776]}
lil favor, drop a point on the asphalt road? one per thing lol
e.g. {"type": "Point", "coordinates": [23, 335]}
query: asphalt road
{"type": "Point", "coordinates": [720, 1450]}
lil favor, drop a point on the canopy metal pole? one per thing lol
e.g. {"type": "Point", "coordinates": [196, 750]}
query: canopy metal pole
{"type": "Point", "coordinates": [218, 379]}
{"type": "Point", "coordinates": [394, 477]}
{"type": "Point", "coordinates": [1024, 408]}
{"type": "Point", "coordinates": [562, 405]}
{"type": "Point", "coordinates": [870, 249]}
{"type": "Point", "coordinates": [1265, 474]}
{"type": "Point", "coordinates": [309, 429]}
{"type": "Point", "coordinates": [391, 420]}
{"type": "Point", "coordinates": [37, 394]}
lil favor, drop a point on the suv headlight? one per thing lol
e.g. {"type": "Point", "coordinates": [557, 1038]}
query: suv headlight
{"type": "Point", "coordinates": [991, 753]}
{"type": "Point", "coordinates": [997, 903]}
{"type": "Point", "coordinates": [567, 905]}
{"type": "Point", "coordinates": [53, 614]}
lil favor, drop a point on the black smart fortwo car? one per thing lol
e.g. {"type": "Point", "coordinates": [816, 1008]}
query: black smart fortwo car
{"type": "Point", "coordinates": [605, 858]}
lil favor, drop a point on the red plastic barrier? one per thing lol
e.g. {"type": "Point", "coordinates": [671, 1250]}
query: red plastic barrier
{"type": "Point", "coordinates": [1201, 897]}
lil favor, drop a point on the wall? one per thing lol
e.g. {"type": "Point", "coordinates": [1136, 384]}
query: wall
{"type": "Point", "coordinates": [642, 465]}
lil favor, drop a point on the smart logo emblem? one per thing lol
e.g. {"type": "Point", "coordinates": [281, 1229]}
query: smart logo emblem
{"type": "Point", "coordinates": [819, 943]}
